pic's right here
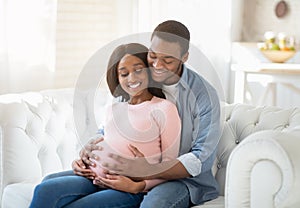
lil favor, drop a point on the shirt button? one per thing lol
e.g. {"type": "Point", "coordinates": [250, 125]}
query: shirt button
{"type": "Point", "coordinates": [237, 141]}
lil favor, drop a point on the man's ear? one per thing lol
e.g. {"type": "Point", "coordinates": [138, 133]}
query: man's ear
{"type": "Point", "coordinates": [185, 57]}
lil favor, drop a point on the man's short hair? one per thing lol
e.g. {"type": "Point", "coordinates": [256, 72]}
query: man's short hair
{"type": "Point", "coordinates": [173, 31]}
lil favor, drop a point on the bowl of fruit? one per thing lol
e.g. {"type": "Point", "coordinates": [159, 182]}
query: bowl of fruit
{"type": "Point", "coordinates": [277, 52]}
{"type": "Point", "coordinates": [278, 56]}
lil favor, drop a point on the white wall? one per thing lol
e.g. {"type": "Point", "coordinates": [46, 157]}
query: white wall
{"type": "Point", "coordinates": [259, 17]}
{"type": "Point", "coordinates": [213, 24]}
{"type": "Point", "coordinates": [83, 27]}
{"type": "Point", "coordinates": [251, 19]}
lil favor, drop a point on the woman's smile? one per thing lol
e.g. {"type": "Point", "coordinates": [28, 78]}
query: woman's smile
{"type": "Point", "coordinates": [134, 85]}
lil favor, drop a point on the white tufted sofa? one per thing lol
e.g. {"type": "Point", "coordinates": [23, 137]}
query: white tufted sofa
{"type": "Point", "coordinates": [258, 159]}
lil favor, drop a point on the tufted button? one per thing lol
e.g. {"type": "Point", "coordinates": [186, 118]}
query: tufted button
{"type": "Point", "coordinates": [219, 166]}
{"type": "Point", "coordinates": [286, 125]}
{"type": "Point", "coordinates": [255, 123]}
{"type": "Point", "coordinates": [237, 141]}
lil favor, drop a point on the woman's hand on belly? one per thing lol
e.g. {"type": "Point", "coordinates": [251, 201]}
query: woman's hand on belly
{"type": "Point", "coordinates": [86, 153]}
{"type": "Point", "coordinates": [81, 169]}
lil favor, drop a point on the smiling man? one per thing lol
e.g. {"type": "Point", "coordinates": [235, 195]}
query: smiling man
{"type": "Point", "coordinates": [189, 177]}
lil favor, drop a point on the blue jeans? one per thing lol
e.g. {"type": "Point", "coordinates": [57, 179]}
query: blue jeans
{"type": "Point", "coordinates": [171, 194]}
{"type": "Point", "coordinates": [67, 190]}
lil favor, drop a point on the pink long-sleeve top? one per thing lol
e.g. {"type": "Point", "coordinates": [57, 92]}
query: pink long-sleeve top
{"type": "Point", "coordinates": [153, 126]}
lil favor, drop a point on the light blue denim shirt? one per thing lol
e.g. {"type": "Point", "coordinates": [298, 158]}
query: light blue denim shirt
{"type": "Point", "coordinates": [199, 109]}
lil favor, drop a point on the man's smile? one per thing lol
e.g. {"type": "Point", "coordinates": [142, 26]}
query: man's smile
{"type": "Point", "coordinates": [159, 71]}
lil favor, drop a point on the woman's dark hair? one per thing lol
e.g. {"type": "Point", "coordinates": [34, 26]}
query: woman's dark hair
{"type": "Point", "coordinates": [173, 31]}
{"type": "Point", "coordinates": [139, 51]}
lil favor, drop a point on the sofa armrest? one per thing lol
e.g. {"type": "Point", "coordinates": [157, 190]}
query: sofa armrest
{"type": "Point", "coordinates": [264, 171]}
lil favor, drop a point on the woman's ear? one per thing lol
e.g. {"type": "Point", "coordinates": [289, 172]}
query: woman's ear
{"type": "Point", "coordinates": [185, 57]}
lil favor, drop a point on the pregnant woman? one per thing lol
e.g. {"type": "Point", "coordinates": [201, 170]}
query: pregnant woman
{"type": "Point", "coordinates": [142, 119]}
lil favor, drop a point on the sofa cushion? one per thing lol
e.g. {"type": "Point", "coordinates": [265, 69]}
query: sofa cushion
{"type": "Point", "coordinates": [17, 195]}
{"type": "Point", "coordinates": [216, 203]}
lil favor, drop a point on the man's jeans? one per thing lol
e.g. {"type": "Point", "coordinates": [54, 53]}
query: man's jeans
{"type": "Point", "coordinates": [67, 190]}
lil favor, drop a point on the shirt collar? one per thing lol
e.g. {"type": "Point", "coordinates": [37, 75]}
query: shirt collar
{"type": "Point", "coordinates": [184, 77]}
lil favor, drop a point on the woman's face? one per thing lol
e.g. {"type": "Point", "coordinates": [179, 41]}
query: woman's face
{"type": "Point", "coordinates": [132, 75]}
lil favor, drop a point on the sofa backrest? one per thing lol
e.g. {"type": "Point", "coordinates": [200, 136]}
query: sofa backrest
{"type": "Point", "coordinates": [242, 120]}
{"type": "Point", "coordinates": [38, 134]}
{"type": "Point", "coordinates": [37, 137]}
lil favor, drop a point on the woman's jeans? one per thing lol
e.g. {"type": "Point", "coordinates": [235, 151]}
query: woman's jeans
{"type": "Point", "coordinates": [67, 190]}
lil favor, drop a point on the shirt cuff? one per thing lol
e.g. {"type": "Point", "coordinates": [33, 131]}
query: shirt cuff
{"type": "Point", "coordinates": [191, 163]}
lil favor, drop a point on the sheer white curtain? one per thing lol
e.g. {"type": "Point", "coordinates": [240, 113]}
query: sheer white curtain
{"type": "Point", "coordinates": [208, 21]}
{"type": "Point", "coordinates": [27, 40]}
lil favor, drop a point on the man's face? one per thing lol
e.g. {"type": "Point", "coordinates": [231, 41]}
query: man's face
{"type": "Point", "coordinates": [165, 61]}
